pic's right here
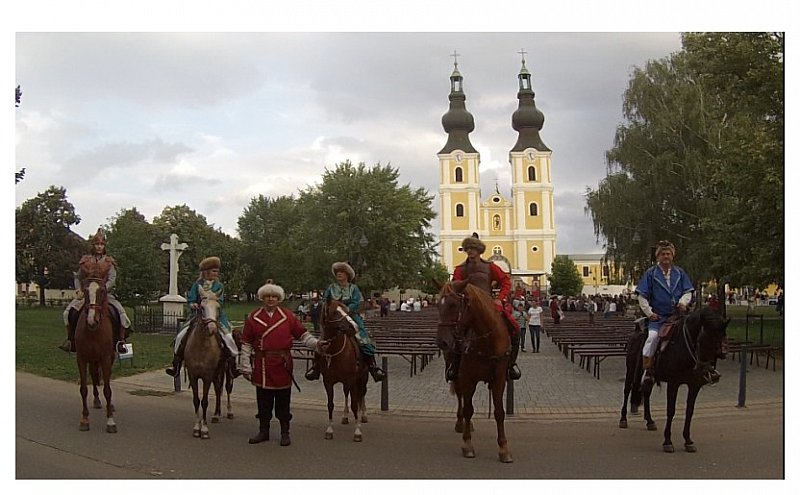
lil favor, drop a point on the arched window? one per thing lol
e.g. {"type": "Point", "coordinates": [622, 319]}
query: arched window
{"type": "Point", "coordinates": [459, 210]}
{"type": "Point", "coordinates": [459, 174]}
{"type": "Point", "coordinates": [497, 251]}
{"type": "Point", "coordinates": [532, 173]}
{"type": "Point", "coordinates": [533, 209]}
{"type": "Point", "coordinates": [496, 223]}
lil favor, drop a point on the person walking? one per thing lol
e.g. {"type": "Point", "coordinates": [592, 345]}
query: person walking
{"type": "Point", "coordinates": [266, 359]}
{"type": "Point", "coordinates": [535, 324]}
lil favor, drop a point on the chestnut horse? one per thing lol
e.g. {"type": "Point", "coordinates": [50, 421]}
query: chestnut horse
{"type": "Point", "coordinates": [697, 341]}
{"type": "Point", "coordinates": [470, 325]}
{"type": "Point", "coordinates": [204, 360]}
{"type": "Point", "coordinates": [95, 349]}
{"type": "Point", "coordinates": [341, 363]}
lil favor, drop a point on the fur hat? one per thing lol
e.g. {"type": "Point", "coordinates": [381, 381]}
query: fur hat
{"type": "Point", "coordinates": [209, 263]}
{"type": "Point", "coordinates": [342, 266]}
{"type": "Point", "coordinates": [473, 242]}
{"type": "Point", "coordinates": [665, 245]}
{"type": "Point", "coordinates": [271, 289]}
{"type": "Point", "coordinates": [100, 236]}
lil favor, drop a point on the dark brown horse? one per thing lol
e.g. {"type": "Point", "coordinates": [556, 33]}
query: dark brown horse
{"type": "Point", "coordinates": [697, 341]}
{"type": "Point", "coordinates": [470, 325]}
{"type": "Point", "coordinates": [204, 360]}
{"type": "Point", "coordinates": [95, 349]}
{"type": "Point", "coordinates": [341, 363]}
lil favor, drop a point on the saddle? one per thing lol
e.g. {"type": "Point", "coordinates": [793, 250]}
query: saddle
{"type": "Point", "coordinates": [665, 332]}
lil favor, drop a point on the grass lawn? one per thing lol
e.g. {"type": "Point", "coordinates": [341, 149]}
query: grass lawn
{"type": "Point", "coordinates": [773, 329]}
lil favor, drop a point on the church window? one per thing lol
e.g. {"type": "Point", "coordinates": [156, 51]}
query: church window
{"type": "Point", "coordinates": [459, 174]}
{"type": "Point", "coordinates": [459, 210]}
{"type": "Point", "coordinates": [605, 271]}
{"type": "Point", "coordinates": [532, 173]}
{"type": "Point", "coordinates": [496, 222]}
{"type": "Point", "coordinates": [533, 209]}
{"type": "Point", "coordinates": [585, 271]}
{"type": "Point", "coordinates": [497, 251]}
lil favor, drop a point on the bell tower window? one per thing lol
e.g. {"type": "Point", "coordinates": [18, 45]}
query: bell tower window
{"type": "Point", "coordinates": [533, 209]}
{"type": "Point", "coordinates": [459, 174]}
{"type": "Point", "coordinates": [459, 210]}
{"type": "Point", "coordinates": [532, 173]}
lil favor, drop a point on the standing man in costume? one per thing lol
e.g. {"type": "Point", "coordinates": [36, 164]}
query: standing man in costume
{"type": "Point", "coordinates": [481, 274]}
{"type": "Point", "coordinates": [101, 266]}
{"type": "Point", "coordinates": [663, 291]}
{"type": "Point", "coordinates": [349, 294]}
{"type": "Point", "coordinates": [266, 358]}
{"type": "Point", "coordinates": [209, 281]}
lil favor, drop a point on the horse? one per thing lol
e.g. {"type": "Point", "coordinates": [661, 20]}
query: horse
{"type": "Point", "coordinates": [94, 345]}
{"type": "Point", "coordinates": [341, 363]}
{"type": "Point", "coordinates": [204, 360]}
{"type": "Point", "coordinates": [470, 325]}
{"type": "Point", "coordinates": [697, 341]}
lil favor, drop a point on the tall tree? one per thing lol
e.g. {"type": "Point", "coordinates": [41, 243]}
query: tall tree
{"type": "Point", "coordinates": [45, 244]}
{"type": "Point", "coordinates": [565, 279]}
{"type": "Point", "coordinates": [135, 245]}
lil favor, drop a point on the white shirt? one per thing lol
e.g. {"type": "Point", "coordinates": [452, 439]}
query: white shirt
{"type": "Point", "coordinates": [535, 315]}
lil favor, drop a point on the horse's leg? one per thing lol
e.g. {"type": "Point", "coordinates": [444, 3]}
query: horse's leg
{"type": "Point", "coordinates": [218, 378]}
{"type": "Point", "coordinates": [672, 396]}
{"type": "Point", "coordinates": [623, 415]}
{"type": "Point", "coordinates": [460, 409]}
{"type": "Point", "coordinates": [196, 402]}
{"type": "Point", "coordinates": [204, 403]}
{"type": "Point", "coordinates": [691, 397]}
{"type": "Point", "coordinates": [648, 418]}
{"type": "Point", "coordinates": [498, 387]}
{"type": "Point", "coordinates": [355, 404]}
{"type": "Point", "coordinates": [94, 371]}
{"type": "Point", "coordinates": [345, 406]}
{"type": "Point", "coordinates": [108, 362]}
{"type": "Point", "coordinates": [329, 392]}
{"type": "Point", "coordinates": [84, 389]}
{"type": "Point", "coordinates": [468, 390]}
{"type": "Point", "coordinates": [229, 390]}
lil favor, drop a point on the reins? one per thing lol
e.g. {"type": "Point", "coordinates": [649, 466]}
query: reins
{"type": "Point", "coordinates": [329, 356]}
{"type": "Point", "coordinates": [459, 334]}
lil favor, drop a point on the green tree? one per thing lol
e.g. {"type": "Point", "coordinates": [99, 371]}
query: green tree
{"type": "Point", "coordinates": [699, 161]}
{"type": "Point", "coordinates": [44, 241]}
{"type": "Point", "coordinates": [564, 277]}
{"type": "Point", "coordinates": [135, 245]}
{"type": "Point", "coordinates": [430, 275]}
{"type": "Point", "coordinates": [362, 215]}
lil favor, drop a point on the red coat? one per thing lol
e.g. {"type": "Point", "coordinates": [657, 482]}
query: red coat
{"type": "Point", "coordinates": [496, 274]}
{"type": "Point", "coordinates": [271, 339]}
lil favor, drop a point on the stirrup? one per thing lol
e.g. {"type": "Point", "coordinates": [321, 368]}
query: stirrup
{"type": "Point", "coordinates": [377, 374]}
{"type": "Point", "coordinates": [513, 372]}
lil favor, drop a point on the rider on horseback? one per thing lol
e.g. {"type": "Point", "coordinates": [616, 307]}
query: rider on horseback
{"type": "Point", "coordinates": [349, 294]}
{"type": "Point", "coordinates": [663, 291]}
{"type": "Point", "coordinates": [97, 265]}
{"type": "Point", "coordinates": [208, 281]}
{"type": "Point", "coordinates": [481, 274]}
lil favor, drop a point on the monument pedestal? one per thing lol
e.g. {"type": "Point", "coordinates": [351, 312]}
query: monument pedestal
{"type": "Point", "coordinates": [172, 306]}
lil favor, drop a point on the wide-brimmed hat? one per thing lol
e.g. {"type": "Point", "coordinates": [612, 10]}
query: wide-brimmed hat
{"type": "Point", "coordinates": [271, 289]}
{"type": "Point", "coordinates": [342, 266]}
{"type": "Point", "coordinates": [473, 243]}
{"type": "Point", "coordinates": [209, 263]}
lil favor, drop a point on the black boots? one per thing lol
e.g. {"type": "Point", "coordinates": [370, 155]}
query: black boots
{"type": "Point", "coordinates": [176, 366]}
{"type": "Point", "coordinates": [69, 344]}
{"type": "Point", "coordinates": [451, 373]}
{"type": "Point", "coordinates": [235, 371]}
{"type": "Point", "coordinates": [285, 439]}
{"type": "Point", "coordinates": [313, 373]}
{"type": "Point", "coordinates": [513, 370]}
{"type": "Point", "coordinates": [261, 436]}
{"type": "Point", "coordinates": [377, 374]}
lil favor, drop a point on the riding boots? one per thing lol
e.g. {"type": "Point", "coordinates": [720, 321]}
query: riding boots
{"type": "Point", "coordinates": [285, 439]}
{"type": "Point", "coordinates": [377, 374]}
{"type": "Point", "coordinates": [176, 366]}
{"type": "Point", "coordinates": [451, 373]}
{"type": "Point", "coordinates": [647, 366]}
{"type": "Point", "coordinates": [313, 372]}
{"type": "Point", "coordinates": [69, 344]}
{"type": "Point", "coordinates": [513, 370]}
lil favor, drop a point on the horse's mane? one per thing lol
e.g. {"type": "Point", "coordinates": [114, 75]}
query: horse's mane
{"type": "Point", "coordinates": [482, 304]}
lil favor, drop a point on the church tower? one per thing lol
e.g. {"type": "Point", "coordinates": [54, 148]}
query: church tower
{"type": "Point", "coordinates": [459, 183]}
{"type": "Point", "coordinates": [531, 189]}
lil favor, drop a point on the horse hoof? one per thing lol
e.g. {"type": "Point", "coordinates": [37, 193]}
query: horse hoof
{"type": "Point", "coordinates": [364, 419]}
{"type": "Point", "coordinates": [345, 420]}
{"type": "Point", "coordinates": [196, 433]}
{"type": "Point", "coordinates": [669, 448]}
{"type": "Point", "coordinates": [459, 428]}
{"type": "Point", "coordinates": [230, 416]}
{"type": "Point", "coordinates": [689, 447]}
{"type": "Point", "coordinates": [623, 423]}
{"type": "Point", "coordinates": [328, 436]}
{"type": "Point", "coordinates": [204, 435]}
{"type": "Point", "coordinates": [357, 438]}
{"type": "Point", "coordinates": [111, 428]}
{"type": "Point", "coordinates": [215, 419]}
{"type": "Point", "coordinates": [652, 427]}
{"type": "Point", "coordinates": [468, 453]}
{"type": "Point", "coordinates": [506, 458]}
{"type": "Point", "coordinates": [97, 405]}
{"type": "Point", "coordinates": [84, 427]}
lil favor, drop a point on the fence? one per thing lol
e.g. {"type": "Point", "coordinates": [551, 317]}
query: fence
{"type": "Point", "coordinates": [153, 319]}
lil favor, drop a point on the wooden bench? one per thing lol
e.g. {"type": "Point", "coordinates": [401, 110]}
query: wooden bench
{"type": "Point", "coordinates": [599, 355]}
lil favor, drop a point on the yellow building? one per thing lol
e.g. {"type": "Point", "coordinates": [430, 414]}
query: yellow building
{"type": "Point", "coordinates": [519, 232]}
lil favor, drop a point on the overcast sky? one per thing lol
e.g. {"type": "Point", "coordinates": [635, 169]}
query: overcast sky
{"type": "Point", "coordinates": [137, 119]}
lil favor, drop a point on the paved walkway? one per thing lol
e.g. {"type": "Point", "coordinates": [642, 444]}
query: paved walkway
{"type": "Point", "coordinates": [552, 387]}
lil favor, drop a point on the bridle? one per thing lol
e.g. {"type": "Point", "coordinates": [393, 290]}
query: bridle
{"type": "Point", "coordinates": [457, 325]}
{"type": "Point", "coordinates": [338, 331]}
{"type": "Point", "coordinates": [694, 347]}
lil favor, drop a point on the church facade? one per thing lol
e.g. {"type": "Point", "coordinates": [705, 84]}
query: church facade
{"type": "Point", "coordinates": [520, 231]}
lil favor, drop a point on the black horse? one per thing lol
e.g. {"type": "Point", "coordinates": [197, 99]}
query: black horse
{"type": "Point", "coordinates": [688, 357]}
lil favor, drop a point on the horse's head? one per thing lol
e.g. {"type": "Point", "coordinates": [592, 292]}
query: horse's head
{"type": "Point", "coordinates": [96, 301]}
{"type": "Point", "coordinates": [711, 341]}
{"type": "Point", "coordinates": [209, 310]}
{"type": "Point", "coordinates": [333, 319]}
{"type": "Point", "coordinates": [452, 314]}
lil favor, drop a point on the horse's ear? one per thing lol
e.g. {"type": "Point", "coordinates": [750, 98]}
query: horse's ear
{"type": "Point", "coordinates": [460, 285]}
